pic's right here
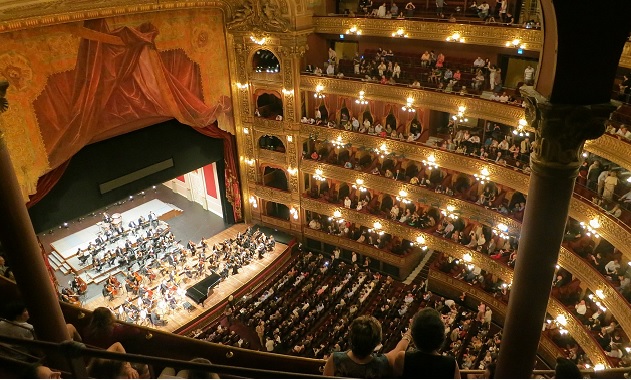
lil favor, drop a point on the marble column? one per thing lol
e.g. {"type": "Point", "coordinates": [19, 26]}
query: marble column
{"type": "Point", "coordinates": [560, 131]}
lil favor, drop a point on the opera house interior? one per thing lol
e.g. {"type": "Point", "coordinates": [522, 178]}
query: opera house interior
{"type": "Point", "coordinates": [226, 186]}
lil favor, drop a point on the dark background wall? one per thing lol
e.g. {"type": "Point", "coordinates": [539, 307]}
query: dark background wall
{"type": "Point", "coordinates": [77, 192]}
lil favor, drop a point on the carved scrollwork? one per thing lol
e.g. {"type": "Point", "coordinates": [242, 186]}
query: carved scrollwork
{"type": "Point", "coordinates": [612, 148]}
{"type": "Point", "coordinates": [259, 15]}
{"type": "Point", "coordinates": [272, 157]}
{"type": "Point", "coordinates": [276, 222]}
{"type": "Point", "coordinates": [579, 333]}
{"type": "Point", "coordinates": [476, 107]}
{"type": "Point", "coordinates": [267, 126]}
{"type": "Point", "coordinates": [272, 194]}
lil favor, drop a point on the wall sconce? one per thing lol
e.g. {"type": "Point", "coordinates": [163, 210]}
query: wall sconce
{"type": "Point", "coordinates": [376, 228]}
{"type": "Point", "coordinates": [460, 116]}
{"type": "Point", "coordinates": [250, 161]}
{"type": "Point", "coordinates": [290, 138]}
{"type": "Point", "coordinates": [402, 197]}
{"type": "Point", "coordinates": [561, 319]}
{"type": "Point", "coordinates": [516, 43]}
{"type": "Point", "coordinates": [246, 130]}
{"type": "Point", "coordinates": [430, 162]}
{"type": "Point", "coordinates": [408, 107]}
{"type": "Point", "coordinates": [456, 37]}
{"type": "Point", "coordinates": [294, 213]}
{"type": "Point", "coordinates": [599, 367]}
{"type": "Point", "coordinates": [318, 92]}
{"type": "Point", "coordinates": [591, 227]}
{"type": "Point", "coordinates": [318, 176]}
{"type": "Point", "coordinates": [359, 185]}
{"type": "Point", "coordinates": [242, 86]}
{"type": "Point", "coordinates": [258, 41]}
{"type": "Point", "coordinates": [520, 130]}
{"type": "Point", "coordinates": [400, 33]}
{"type": "Point", "coordinates": [287, 92]}
{"type": "Point", "coordinates": [292, 171]}
{"type": "Point", "coordinates": [483, 176]}
{"type": "Point", "coordinates": [361, 100]}
{"type": "Point", "coordinates": [354, 30]}
{"type": "Point", "coordinates": [467, 257]}
{"type": "Point", "coordinates": [253, 202]}
{"type": "Point", "coordinates": [420, 242]}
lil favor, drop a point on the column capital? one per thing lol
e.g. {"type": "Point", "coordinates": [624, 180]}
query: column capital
{"type": "Point", "coordinates": [560, 132]}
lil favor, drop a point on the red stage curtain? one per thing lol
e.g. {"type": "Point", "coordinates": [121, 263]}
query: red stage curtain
{"type": "Point", "coordinates": [46, 182]}
{"type": "Point", "coordinates": [120, 83]}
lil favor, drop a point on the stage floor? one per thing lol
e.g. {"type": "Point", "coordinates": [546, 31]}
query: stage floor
{"type": "Point", "coordinates": [181, 316]}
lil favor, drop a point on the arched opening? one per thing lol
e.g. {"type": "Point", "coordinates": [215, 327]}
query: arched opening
{"type": "Point", "coordinates": [264, 61]}
{"type": "Point", "coordinates": [269, 106]}
{"type": "Point", "coordinates": [324, 113]}
{"type": "Point", "coordinates": [276, 178]}
{"type": "Point", "coordinates": [416, 126]}
{"type": "Point", "coordinates": [276, 210]}
{"type": "Point", "coordinates": [270, 142]}
{"type": "Point", "coordinates": [367, 116]}
{"type": "Point", "coordinates": [345, 116]}
{"type": "Point", "coordinates": [391, 121]}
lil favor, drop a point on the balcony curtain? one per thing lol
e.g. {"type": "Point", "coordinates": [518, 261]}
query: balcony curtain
{"type": "Point", "coordinates": [121, 83]}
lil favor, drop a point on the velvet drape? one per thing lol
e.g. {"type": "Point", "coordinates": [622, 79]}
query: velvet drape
{"type": "Point", "coordinates": [120, 83]}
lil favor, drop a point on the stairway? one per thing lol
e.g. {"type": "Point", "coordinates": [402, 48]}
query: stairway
{"type": "Point", "coordinates": [419, 274]}
{"type": "Point", "coordinates": [58, 263]}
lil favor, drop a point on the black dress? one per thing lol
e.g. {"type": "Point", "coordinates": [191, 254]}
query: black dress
{"type": "Point", "coordinates": [419, 365]}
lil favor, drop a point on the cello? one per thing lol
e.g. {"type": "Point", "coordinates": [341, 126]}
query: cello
{"type": "Point", "coordinates": [82, 285]}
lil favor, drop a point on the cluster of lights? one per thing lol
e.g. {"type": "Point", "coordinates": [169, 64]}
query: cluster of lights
{"type": "Point", "coordinates": [467, 258]}
{"type": "Point", "coordinates": [337, 217]}
{"type": "Point", "coordinates": [359, 185]}
{"type": "Point", "coordinates": [319, 175]}
{"type": "Point", "coordinates": [409, 106]}
{"type": "Point", "coordinates": [294, 212]}
{"type": "Point", "coordinates": [402, 197]}
{"type": "Point", "coordinates": [501, 230]}
{"type": "Point", "coordinates": [246, 130]}
{"type": "Point", "coordinates": [242, 86]}
{"type": "Point", "coordinates": [292, 171]}
{"type": "Point", "coordinates": [253, 202]}
{"type": "Point", "coordinates": [483, 177]}
{"type": "Point", "coordinates": [250, 161]}
{"type": "Point", "coordinates": [516, 43]}
{"type": "Point", "coordinates": [456, 37]}
{"type": "Point", "coordinates": [430, 162]}
{"type": "Point", "coordinates": [362, 99]}
{"type": "Point", "coordinates": [400, 33]}
{"type": "Point", "coordinates": [596, 299]}
{"type": "Point", "coordinates": [338, 143]}
{"type": "Point", "coordinates": [354, 30]}
{"type": "Point", "coordinates": [318, 92]}
{"type": "Point", "coordinates": [460, 117]}
{"type": "Point", "coordinates": [507, 286]}
{"type": "Point", "coordinates": [274, 70]}
{"type": "Point", "coordinates": [290, 138]}
{"type": "Point", "coordinates": [591, 227]}
{"type": "Point", "coordinates": [377, 228]}
{"type": "Point", "coordinates": [521, 128]}
{"type": "Point", "coordinates": [420, 242]}
{"type": "Point", "coordinates": [450, 212]}
{"type": "Point", "coordinates": [258, 41]}
{"type": "Point", "coordinates": [287, 92]}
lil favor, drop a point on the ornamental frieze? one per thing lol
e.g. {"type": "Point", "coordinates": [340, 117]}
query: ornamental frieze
{"type": "Point", "coordinates": [435, 100]}
{"type": "Point", "coordinates": [612, 148]}
{"type": "Point", "coordinates": [276, 222]}
{"type": "Point", "coordinates": [266, 155]}
{"type": "Point", "coordinates": [268, 126]}
{"type": "Point", "coordinates": [272, 194]}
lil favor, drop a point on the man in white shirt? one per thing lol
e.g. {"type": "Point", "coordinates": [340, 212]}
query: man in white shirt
{"type": "Point", "coordinates": [581, 308]}
{"type": "Point", "coordinates": [612, 267]}
{"type": "Point", "coordinates": [382, 10]}
{"type": "Point", "coordinates": [396, 72]}
{"type": "Point", "coordinates": [529, 74]}
{"type": "Point", "coordinates": [479, 62]}
{"type": "Point", "coordinates": [330, 70]}
{"type": "Point", "coordinates": [347, 202]}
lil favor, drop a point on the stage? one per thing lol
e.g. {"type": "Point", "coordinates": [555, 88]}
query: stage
{"type": "Point", "coordinates": [179, 317]}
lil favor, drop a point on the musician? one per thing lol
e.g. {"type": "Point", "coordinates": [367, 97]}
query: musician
{"type": "Point", "coordinates": [69, 296]}
{"type": "Point", "coordinates": [153, 220]}
{"type": "Point", "coordinates": [192, 247]}
{"type": "Point", "coordinates": [108, 291]}
{"type": "Point", "coordinates": [141, 220]}
{"type": "Point", "coordinates": [99, 239]}
{"type": "Point", "coordinates": [113, 281]}
{"type": "Point", "coordinates": [107, 218]}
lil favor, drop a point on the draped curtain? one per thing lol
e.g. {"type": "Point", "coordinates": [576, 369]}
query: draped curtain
{"type": "Point", "coordinates": [121, 83]}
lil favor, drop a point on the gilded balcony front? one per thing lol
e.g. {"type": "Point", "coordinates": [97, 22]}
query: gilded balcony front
{"type": "Point", "coordinates": [272, 194]}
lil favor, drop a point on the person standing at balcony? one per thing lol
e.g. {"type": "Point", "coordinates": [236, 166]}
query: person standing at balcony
{"type": "Point", "coordinates": [611, 181]}
{"type": "Point", "coordinates": [440, 5]}
{"type": "Point", "coordinates": [478, 63]}
{"type": "Point", "coordinates": [394, 9]}
{"type": "Point", "coordinates": [332, 57]}
{"type": "Point", "coordinates": [381, 12]}
{"type": "Point", "coordinates": [425, 58]}
{"type": "Point", "coordinates": [601, 179]}
{"type": "Point", "coordinates": [492, 73]}
{"type": "Point", "coordinates": [409, 9]}
{"type": "Point", "coordinates": [592, 175]}
{"type": "Point", "coordinates": [396, 70]}
{"type": "Point", "coordinates": [529, 75]}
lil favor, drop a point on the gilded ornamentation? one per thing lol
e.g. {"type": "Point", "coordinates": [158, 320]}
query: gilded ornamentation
{"type": "Point", "coordinates": [276, 222]}
{"type": "Point", "coordinates": [611, 148]}
{"type": "Point", "coordinates": [588, 275]}
{"type": "Point", "coordinates": [561, 130]}
{"type": "Point", "coordinates": [585, 340]}
{"type": "Point", "coordinates": [268, 126]}
{"type": "Point", "coordinates": [261, 15]}
{"type": "Point", "coordinates": [476, 107]}
{"type": "Point", "coordinates": [272, 157]}
{"type": "Point", "coordinates": [625, 58]}
{"type": "Point", "coordinates": [16, 69]}
{"type": "Point", "coordinates": [423, 195]}
{"type": "Point", "coordinates": [201, 38]}
{"type": "Point", "coordinates": [272, 194]}
{"type": "Point", "coordinates": [486, 35]}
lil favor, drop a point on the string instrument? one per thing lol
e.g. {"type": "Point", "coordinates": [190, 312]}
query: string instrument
{"type": "Point", "coordinates": [114, 282]}
{"type": "Point", "coordinates": [137, 277]}
{"type": "Point", "coordinates": [132, 285]}
{"type": "Point", "coordinates": [111, 290]}
{"type": "Point", "coordinates": [151, 275]}
{"type": "Point", "coordinates": [81, 284]}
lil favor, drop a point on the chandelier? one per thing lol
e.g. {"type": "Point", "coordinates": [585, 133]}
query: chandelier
{"type": "Point", "coordinates": [516, 43]}
{"type": "Point", "coordinates": [400, 33]}
{"type": "Point", "coordinates": [359, 185]}
{"type": "Point", "coordinates": [354, 30]}
{"type": "Point", "coordinates": [318, 176]}
{"type": "Point", "coordinates": [460, 116]}
{"type": "Point", "coordinates": [520, 130]}
{"type": "Point", "coordinates": [294, 212]}
{"type": "Point", "coordinates": [430, 162]}
{"type": "Point", "coordinates": [402, 197]}
{"type": "Point", "coordinates": [450, 212]}
{"type": "Point", "coordinates": [361, 100]}
{"type": "Point", "coordinates": [318, 92]}
{"type": "Point", "coordinates": [253, 202]}
{"type": "Point", "coordinates": [337, 217]}
{"type": "Point", "coordinates": [377, 228]}
{"type": "Point", "coordinates": [338, 142]}
{"type": "Point", "coordinates": [408, 107]}
{"type": "Point", "coordinates": [259, 40]}
{"type": "Point", "coordinates": [420, 242]}
{"type": "Point", "coordinates": [456, 37]}
{"type": "Point", "coordinates": [501, 230]}
{"type": "Point", "coordinates": [483, 176]}
{"type": "Point", "coordinates": [591, 227]}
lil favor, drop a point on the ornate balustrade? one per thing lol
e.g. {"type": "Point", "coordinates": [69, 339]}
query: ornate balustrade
{"type": "Point", "coordinates": [273, 127]}
{"type": "Point", "coordinates": [406, 232]}
{"type": "Point", "coordinates": [272, 194]}
{"type": "Point", "coordinates": [611, 148]}
{"type": "Point", "coordinates": [284, 224]}
{"type": "Point", "coordinates": [272, 156]}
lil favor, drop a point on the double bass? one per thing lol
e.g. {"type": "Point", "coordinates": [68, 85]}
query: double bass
{"type": "Point", "coordinates": [113, 281]}
{"type": "Point", "coordinates": [81, 285]}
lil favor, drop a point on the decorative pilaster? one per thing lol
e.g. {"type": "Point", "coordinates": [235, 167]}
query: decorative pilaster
{"type": "Point", "coordinates": [560, 132]}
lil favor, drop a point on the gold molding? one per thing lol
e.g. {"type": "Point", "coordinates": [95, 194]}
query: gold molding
{"type": "Point", "coordinates": [266, 155]}
{"type": "Point", "coordinates": [611, 148]}
{"type": "Point", "coordinates": [268, 126]}
{"type": "Point", "coordinates": [487, 35]}
{"type": "Point", "coordinates": [578, 332]}
{"type": "Point", "coordinates": [588, 275]}
{"type": "Point", "coordinates": [272, 194]}
{"type": "Point", "coordinates": [375, 253]}
{"type": "Point", "coordinates": [471, 211]}
{"type": "Point", "coordinates": [409, 233]}
{"type": "Point", "coordinates": [434, 100]}
{"type": "Point", "coordinates": [625, 58]}
{"type": "Point", "coordinates": [418, 152]}
{"type": "Point", "coordinates": [276, 222]}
